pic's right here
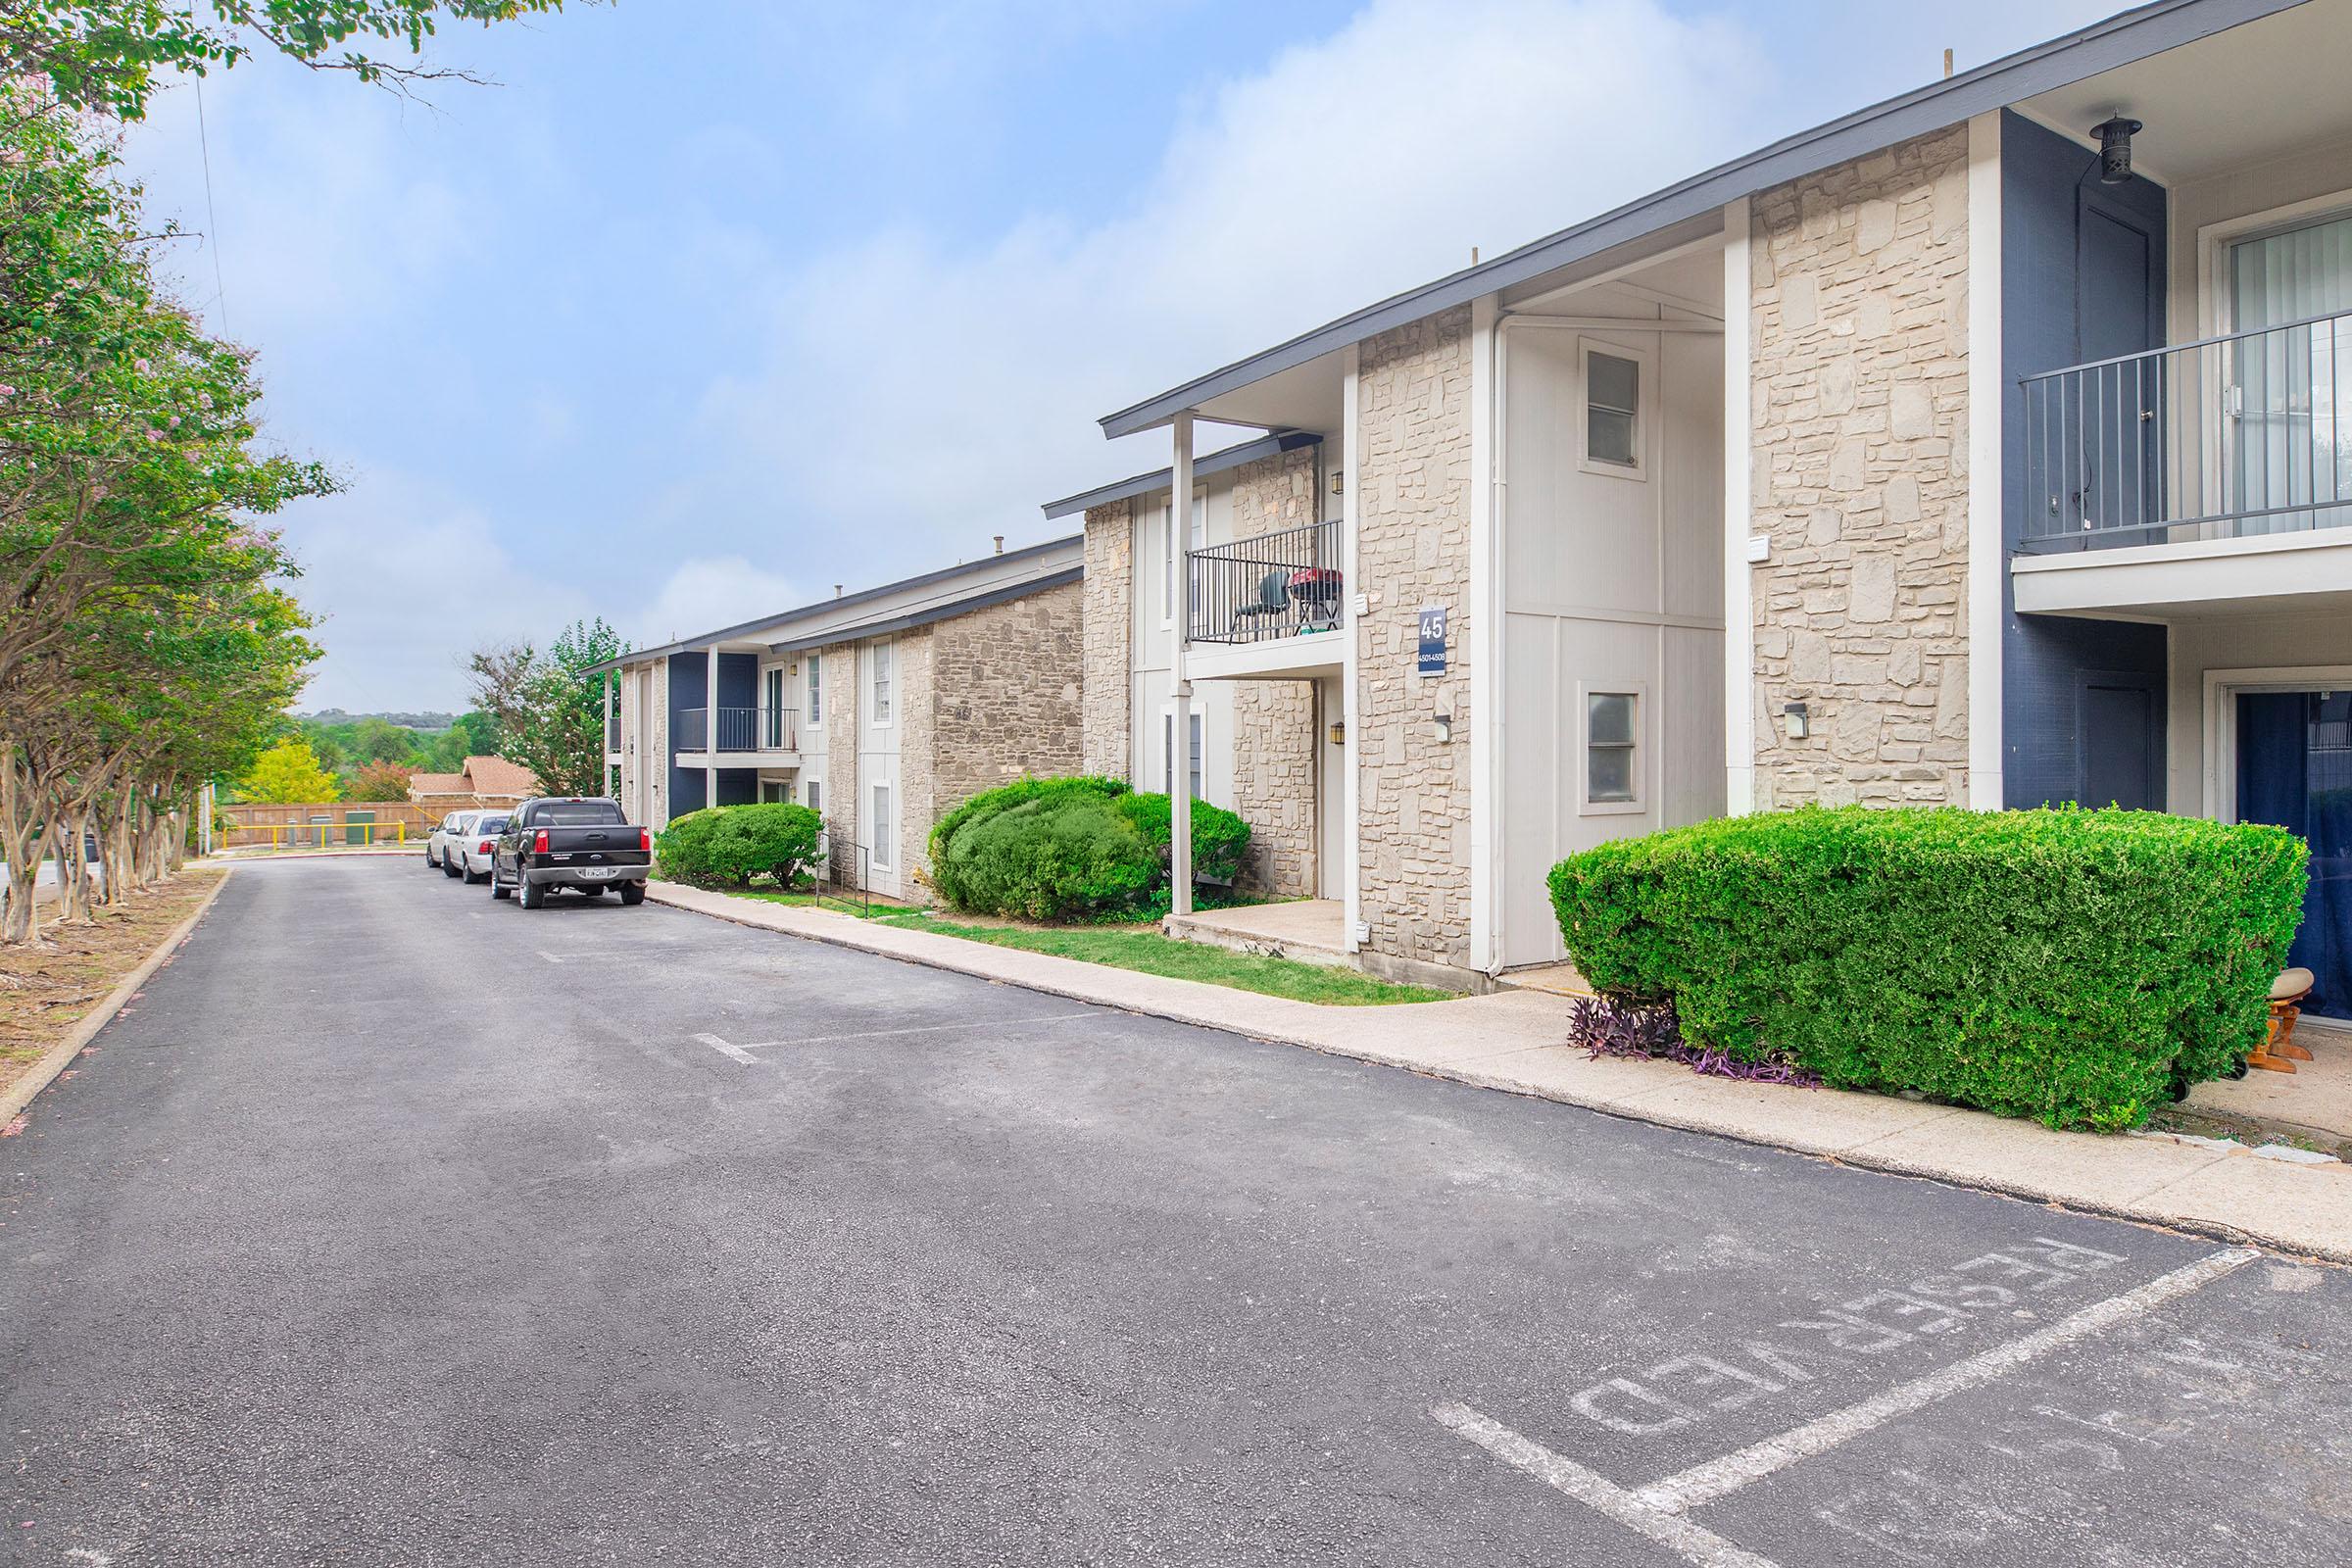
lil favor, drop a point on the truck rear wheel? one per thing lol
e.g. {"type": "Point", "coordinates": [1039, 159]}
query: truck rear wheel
{"type": "Point", "coordinates": [632, 892]}
{"type": "Point", "coordinates": [530, 895]}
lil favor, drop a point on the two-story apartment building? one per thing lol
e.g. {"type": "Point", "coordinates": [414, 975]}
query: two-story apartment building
{"type": "Point", "coordinates": [1981, 447]}
{"type": "Point", "coordinates": [879, 709]}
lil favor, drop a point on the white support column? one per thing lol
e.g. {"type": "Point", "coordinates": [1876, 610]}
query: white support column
{"type": "Point", "coordinates": [1352, 582]}
{"type": "Point", "coordinates": [1986, 563]}
{"type": "Point", "coordinates": [1738, 524]}
{"type": "Point", "coordinates": [604, 768]}
{"type": "Point", "coordinates": [1180, 685]}
{"type": "Point", "coordinates": [710, 729]}
{"type": "Point", "coordinates": [1484, 644]}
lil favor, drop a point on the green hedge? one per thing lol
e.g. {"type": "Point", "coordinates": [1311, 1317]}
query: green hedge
{"type": "Point", "coordinates": [732, 843]}
{"type": "Point", "coordinates": [1061, 849]}
{"type": "Point", "coordinates": [2073, 966]}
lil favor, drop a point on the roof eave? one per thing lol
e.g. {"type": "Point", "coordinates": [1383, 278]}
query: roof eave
{"type": "Point", "coordinates": [2102, 46]}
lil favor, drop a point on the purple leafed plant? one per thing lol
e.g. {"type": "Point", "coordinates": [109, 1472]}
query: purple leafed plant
{"type": "Point", "coordinates": [1606, 1026]}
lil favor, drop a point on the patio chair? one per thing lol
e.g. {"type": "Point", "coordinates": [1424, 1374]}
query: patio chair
{"type": "Point", "coordinates": [1273, 600]}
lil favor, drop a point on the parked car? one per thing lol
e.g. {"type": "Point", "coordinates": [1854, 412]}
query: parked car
{"type": "Point", "coordinates": [572, 842]}
{"type": "Point", "coordinates": [472, 848]}
{"type": "Point", "coordinates": [444, 834]}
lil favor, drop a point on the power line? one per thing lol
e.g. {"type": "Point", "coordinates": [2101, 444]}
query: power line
{"type": "Point", "coordinates": [212, 213]}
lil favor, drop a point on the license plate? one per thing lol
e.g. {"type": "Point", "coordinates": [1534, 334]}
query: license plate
{"type": "Point", "coordinates": [596, 871]}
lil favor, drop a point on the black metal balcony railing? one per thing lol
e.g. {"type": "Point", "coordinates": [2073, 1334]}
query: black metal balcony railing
{"type": "Point", "coordinates": [1283, 584]}
{"type": "Point", "coordinates": [2224, 438]}
{"type": "Point", "coordinates": [740, 729]}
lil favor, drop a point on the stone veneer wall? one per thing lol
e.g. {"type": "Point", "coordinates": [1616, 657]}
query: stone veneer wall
{"type": "Point", "coordinates": [1107, 635]}
{"type": "Point", "coordinates": [1274, 720]}
{"type": "Point", "coordinates": [1006, 692]}
{"type": "Point", "coordinates": [916, 706]}
{"type": "Point", "coordinates": [1859, 360]}
{"type": "Point", "coordinates": [1413, 506]}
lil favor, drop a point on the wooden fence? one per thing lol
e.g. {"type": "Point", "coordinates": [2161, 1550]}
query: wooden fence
{"type": "Point", "coordinates": [327, 824]}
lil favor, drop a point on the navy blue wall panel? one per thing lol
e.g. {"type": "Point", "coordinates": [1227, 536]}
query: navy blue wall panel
{"type": "Point", "coordinates": [738, 786]}
{"type": "Point", "coordinates": [689, 679]}
{"type": "Point", "coordinates": [2048, 184]}
{"type": "Point", "coordinates": [738, 680]}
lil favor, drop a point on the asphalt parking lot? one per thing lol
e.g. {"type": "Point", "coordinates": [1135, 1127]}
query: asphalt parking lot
{"type": "Point", "coordinates": [397, 1225]}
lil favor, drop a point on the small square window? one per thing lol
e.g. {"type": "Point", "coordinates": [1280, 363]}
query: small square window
{"type": "Point", "coordinates": [1612, 411]}
{"type": "Point", "coordinates": [1611, 749]}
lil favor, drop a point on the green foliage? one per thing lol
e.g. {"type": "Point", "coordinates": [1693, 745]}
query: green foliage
{"type": "Point", "coordinates": [2073, 966]}
{"type": "Point", "coordinates": [287, 773]}
{"type": "Point", "coordinates": [729, 845]}
{"type": "Point", "coordinates": [377, 781]}
{"type": "Point", "coordinates": [1067, 849]}
{"type": "Point", "coordinates": [1219, 838]}
{"type": "Point", "coordinates": [106, 54]}
{"type": "Point", "coordinates": [547, 709]}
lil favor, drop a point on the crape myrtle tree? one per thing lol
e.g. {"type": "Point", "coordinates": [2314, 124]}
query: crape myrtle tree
{"type": "Point", "coordinates": [146, 641]}
{"type": "Point", "coordinates": [107, 55]}
{"type": "Point", "coordinates": [548, 708]}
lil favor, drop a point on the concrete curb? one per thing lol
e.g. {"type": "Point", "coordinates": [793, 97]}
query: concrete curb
{"type": "Point", "coordinates": [53, 1061]}
{"type": "Point", "coordinates": [1515, 1042]}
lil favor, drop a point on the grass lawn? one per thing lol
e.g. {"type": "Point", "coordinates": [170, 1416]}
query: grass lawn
{"type": "Point", "coordinates": [1148, 953]}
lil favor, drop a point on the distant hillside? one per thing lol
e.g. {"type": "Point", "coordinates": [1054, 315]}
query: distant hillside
{"type": "Point", "coordinates": [429, 722]}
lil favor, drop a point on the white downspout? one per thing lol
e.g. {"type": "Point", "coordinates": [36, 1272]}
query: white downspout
{"type": "Point", "coordinates": [1180, 737]}
{"type": "Point", "coordinates": [1738, 441]}
{"type": "Point", "coordinates": [1485, 640]}
{"type": "Point", "coordinates": [1351, 583]}
{"type": "Point", "coordinates": [1987, 565]}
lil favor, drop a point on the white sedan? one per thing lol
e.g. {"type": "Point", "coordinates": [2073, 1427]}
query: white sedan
{"type": "Point", "coordinates": [474, 849]}
{"type": "Point", "coordinates": [443, 840]}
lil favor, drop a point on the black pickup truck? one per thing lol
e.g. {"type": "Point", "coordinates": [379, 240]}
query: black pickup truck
{"type": "Point", "coordinates": [570, 842]}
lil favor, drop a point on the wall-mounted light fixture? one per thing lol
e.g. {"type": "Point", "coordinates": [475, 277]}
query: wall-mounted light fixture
{"type": "Point", "coordinates": [2115, 149]}
{"type": "Point", "coordinates": [1339, 733]}
{"type": "Point", "coordinates": [1795, 715]}
{"type": "Point", "coordinates": [1445, 728]}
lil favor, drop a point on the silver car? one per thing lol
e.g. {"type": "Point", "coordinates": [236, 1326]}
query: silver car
{"type": "Point", "coordinates": [474, 849]}
{"type": "Point", "coordinates": [442, 842]}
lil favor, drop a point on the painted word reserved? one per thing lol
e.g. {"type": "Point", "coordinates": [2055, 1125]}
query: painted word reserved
{"type": "Point", "coordinates": [1688, 1389]}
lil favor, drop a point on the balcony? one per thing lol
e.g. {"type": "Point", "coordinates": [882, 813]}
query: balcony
{"type": "Point", "coordinates": [1267, 606]}
{"type": "Point", "coordinates": [2214, 473]}
{"type": "Point", "coordinates": [744, 731]}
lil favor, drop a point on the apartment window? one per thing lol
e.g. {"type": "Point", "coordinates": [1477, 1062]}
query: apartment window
{"type": "Point", "coordinates": [815, 796]}
{"type": "Point", "coordinates": [816, 689]}
{"type": "Point", "coordinates": [1195, 539]}
{"type": "Point", "coordinates": [1614, 751]}
{"type": "Point", "coordinates": [882, 833]}
{"type": "Point", "coordinates": [1167, 753]}
{"type": "Point", "coordinates": [774, 789]}
{"type": "Point", "coordinates": [1612, 411]}
{"type": "Point", "coordinates": [881, 697]}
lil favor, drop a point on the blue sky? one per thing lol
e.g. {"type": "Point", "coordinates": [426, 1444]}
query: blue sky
{"type": "Point", "coordinates": [713, 304]}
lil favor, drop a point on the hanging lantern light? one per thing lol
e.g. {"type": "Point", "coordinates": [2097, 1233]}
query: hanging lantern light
{"type": "Point", "coordinates": [2115, 149]}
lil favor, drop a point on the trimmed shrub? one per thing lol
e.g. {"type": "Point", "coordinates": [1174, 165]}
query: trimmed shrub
{"type": "Point", "coordinates": [1066, 849]}
{"type": "Point", "coordinates": [1219, 838]}
{"type": "Point", "coordinates": [2079, 968]}
{"type": "Point", "coordinates": [729, 845]}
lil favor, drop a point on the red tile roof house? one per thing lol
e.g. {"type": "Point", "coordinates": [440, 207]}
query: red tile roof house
{"type": "Point", "coordinates": [485, 781]}
{"type": "Point", "coordinates": [1981, 447]}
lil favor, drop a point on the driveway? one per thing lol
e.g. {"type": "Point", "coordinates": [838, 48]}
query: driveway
{"type": "Point", "coordinates": [396, 1225]}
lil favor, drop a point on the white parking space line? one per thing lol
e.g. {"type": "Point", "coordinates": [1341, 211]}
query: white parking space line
{"type": "Point", "coordinates": [725, 1050]}
{"type": "Point", "coordinates": [1660, 1512]}
{"type": "Point", "coordinates": [549, 956]}
{"type": "Point", "coordinates": [1719, 1478]}
{"type": "Point", "coordinates": [1693, 1542]}
{"type": "Point", "coordinates": [743, 1053]}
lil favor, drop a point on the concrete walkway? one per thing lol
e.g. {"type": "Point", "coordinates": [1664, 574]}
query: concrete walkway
{"type": "Point", "coordinates": [1512, 1041]}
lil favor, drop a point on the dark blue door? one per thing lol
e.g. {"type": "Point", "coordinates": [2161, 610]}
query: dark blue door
{"type": "Point", "coordinates": [2294, 769]}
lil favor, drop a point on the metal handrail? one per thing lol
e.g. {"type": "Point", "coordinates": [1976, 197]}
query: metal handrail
{"type": "Point", "coordinates": [1281, 584]}
{"type": "Point", "coordinates": [740, 729]}
{"type": "Point", "coordinates": [2221, 437]}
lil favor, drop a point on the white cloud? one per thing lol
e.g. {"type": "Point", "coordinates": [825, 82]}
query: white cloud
{"type": "Point", "coordinates": [704, 593]}
{"type": "Point", "coordinates": [924, 395]}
